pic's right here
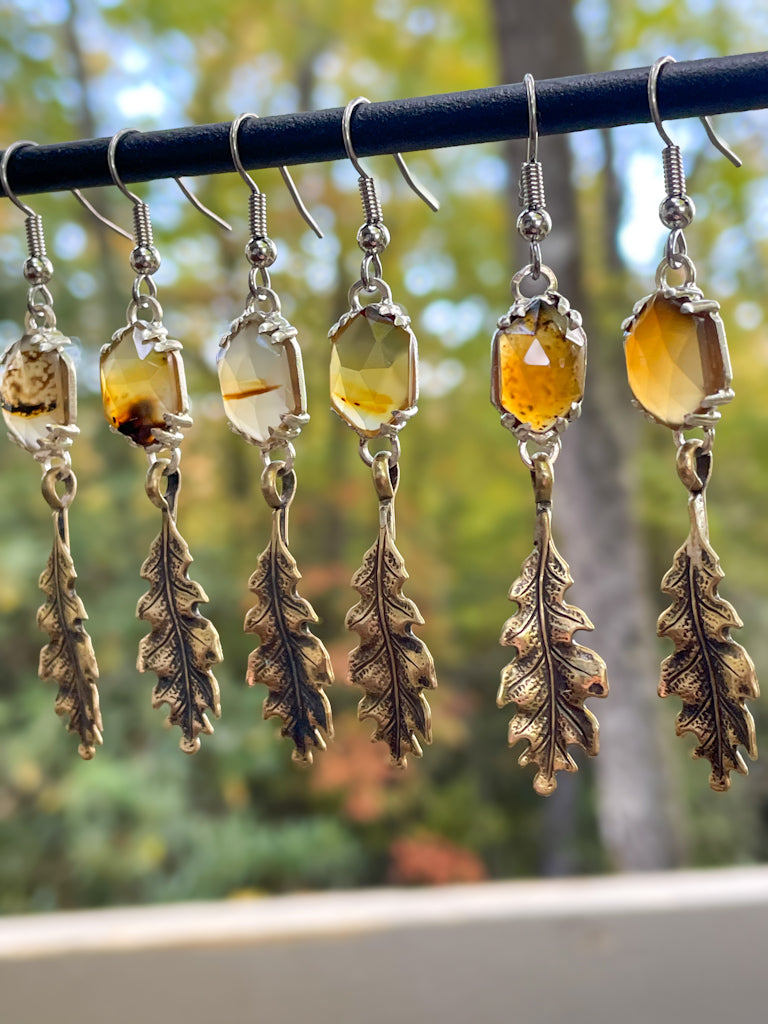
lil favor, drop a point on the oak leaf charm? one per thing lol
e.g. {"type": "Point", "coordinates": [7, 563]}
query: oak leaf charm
{"type": "Point", "coordinates": [711, 673]}
{"type": "Point", "coordinates": [183, 645]}
{"type": "Point", "coordinates": [391, 664]}
{"type": "Point", "coordinates": [290, 660]}
{"type": "Point", "coordinates": [551, 676]}
{"type": "Point", "coordinates": [68, 659]}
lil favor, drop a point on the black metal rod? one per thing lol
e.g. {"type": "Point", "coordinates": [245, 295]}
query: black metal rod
{"type": "Point", "coordinates": [577, 103]}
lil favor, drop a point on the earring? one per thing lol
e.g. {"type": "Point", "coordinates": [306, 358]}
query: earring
{"type": "Point", "coordinates": [374, 389]}
{"type": "Point", "coordinates": [679, 372]}
{"type": "Point", "coordinates": [145, 399]}
{"type": "Point", "coordinates": [262, 387]}
{"type": "Point", "coordinates": [538, 366]}
{"type": "Point", "coordinates": [38, 393]}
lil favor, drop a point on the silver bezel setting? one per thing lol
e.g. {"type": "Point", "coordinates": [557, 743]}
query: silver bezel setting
{"type": "Point", "coordinates": [694, 304]}
{"type": "Point", "coordinates": [170, 436]}
{"type": "Point", "coordinates": [399, 318]}
{"type": "Point", "coordinates": [575, 332]}
{"type": "Point", "coordinates": [281, 334]}
{"type": "Point", "coordinates": [59, 435]}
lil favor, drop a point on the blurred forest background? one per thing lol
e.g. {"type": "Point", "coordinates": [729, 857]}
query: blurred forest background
{"type": "Point", "coordinates": [143, 822]}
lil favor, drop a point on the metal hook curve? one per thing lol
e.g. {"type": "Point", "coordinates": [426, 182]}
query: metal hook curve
{"type": "Point", "coordinates": [234, 131]}
{"type": "Point", "coordinates": [346, 133]}
{"type": "Point", "coordinates": [28, 209]}
{"type": "Point", "coordinates": [99, 216]}
{"type": "Point", "coordinates": [112, 164]}
{"type": "Point", "coordinates": [234, 149]}
{"type": "Point", "coordinates": [118, 181]}
{"type": "Point", "coordinates": [533, 119]}
{"type": "Point", "coordinates": [653, 103]}
{"type": "Point", "coordinates": [4, 176]}
{"type": "Point", "coordinates": [201, 208]}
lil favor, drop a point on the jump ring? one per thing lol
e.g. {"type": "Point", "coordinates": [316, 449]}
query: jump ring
{"type": "Point", "coordinates": [59, 474]}
{"type": "Point", "coordinates": [393, 454]}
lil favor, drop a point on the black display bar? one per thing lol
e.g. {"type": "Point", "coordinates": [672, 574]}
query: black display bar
{"type": "Point", "coordinates": [686, 89]}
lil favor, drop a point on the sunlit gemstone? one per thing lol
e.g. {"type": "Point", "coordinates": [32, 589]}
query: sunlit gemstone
{"type": "Point", "coordinates": [541, 363]}
{"type": "Point", "coordinates": [259, 382]}
{"type": "Point", "coordinates": [372, 370]}
{"type": "Point", "coordinates": [35, 392]}
{"type": "Point", "coordinates": [139, 385]}
{"type": "Point", "coordinates": [674, 359]}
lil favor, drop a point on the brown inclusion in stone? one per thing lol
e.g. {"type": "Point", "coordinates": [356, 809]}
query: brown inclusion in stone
{"type": "Point", "coordinates": [541, 365]}
{"type": "Point", "coordinates": [372, 370]}
{"type": "Point", "coordinates": [140, 386]}
{"type": "Point", "coordinates": [674, 360]}
{"type": "Point", "coordinates": [35, 392]}
{"type": "Point", "coordinates": [259, 383]}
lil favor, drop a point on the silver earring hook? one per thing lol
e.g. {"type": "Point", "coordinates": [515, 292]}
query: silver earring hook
{"type": "Point", "coordinates": [201, 208]}
{"type": "Point", "coordinates": [346, 132]}
{"type": "Point", "coordinates": [234, 131]}
{"type": "Point", "coordinates": [533, 119]}
{"type": "Point", "coordinates": [118, 181]}
{"type": "Point", "coordinates": [112, 164]}
{"type": "Point", "coordinates": [10, 194]}
{"type": "Point", "coordinates": [99, 216]}
{"type": "Point", "coordinates": [653, 103]}
{"type": "Point", "coordinates": [28, 209]}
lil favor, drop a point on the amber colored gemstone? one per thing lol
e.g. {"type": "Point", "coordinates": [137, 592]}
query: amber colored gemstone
{"type": "Point", "coordinates": [541, 363]}
{"type": "Point", "coordinates": [140, 385]}
{"type": "Point", "coordinates": [36, 392]}
{"type": "Point", "coordinates": [372, 370]}
{"type": "Point", "coordinates": [674, 359]}
{"type": "Point", "coordinates": [260, 382]}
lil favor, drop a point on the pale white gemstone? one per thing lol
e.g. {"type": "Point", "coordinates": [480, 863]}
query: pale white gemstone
{"type": "Point", "coordinates": [33, 393]}
{"type": "Point", "coordinates": [258, 382]}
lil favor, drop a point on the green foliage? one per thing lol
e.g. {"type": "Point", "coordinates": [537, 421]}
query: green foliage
{"type": "Point", "coordinates": [143, 822]}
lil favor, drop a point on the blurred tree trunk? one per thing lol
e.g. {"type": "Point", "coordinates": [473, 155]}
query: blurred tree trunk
{"type": "Point", "coordinates": [593, 506]}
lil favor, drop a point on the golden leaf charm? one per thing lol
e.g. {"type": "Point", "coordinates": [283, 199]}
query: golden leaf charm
{"type": "Point", "coordinates": [711, 673]}
{"type": "Point", "coordinates": [391, 664]}
{"type": "Point", "coordinates": [551, 676]}
{"type": "Point", "coordinates": [183, 645]}
{"type": "Point", "coordinates": [291, 660]}
{"type": "Point", "coordinates": [68, 658]}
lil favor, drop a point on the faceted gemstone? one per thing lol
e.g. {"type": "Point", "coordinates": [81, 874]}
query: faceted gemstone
{"type": "Point", "coordinates": [372, 370]}
{"type": "Point", "coordinates": [140, 385]}
{"type": "Point", "coordinates": [35, 392]}
{"type": "Point", "coordinates": [541, 366]}
{"type": "Point", "coordinates": [674, 359]}
{"type": "Point", "coordinates": [259, 382]}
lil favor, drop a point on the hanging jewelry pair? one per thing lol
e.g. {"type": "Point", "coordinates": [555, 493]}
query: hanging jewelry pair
{"type": "Point", "coordinates": [374, 390]}
{"type": "Point", "coordinates": [538, 367]}
{"type": "Point", "coordinates": [144, 393]}
{"type": "Point", "coordinates": [679, 372]}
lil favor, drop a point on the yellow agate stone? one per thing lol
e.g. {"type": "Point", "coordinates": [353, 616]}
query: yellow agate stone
{"type": "Point", "coordinates": [140, 385]}
{"type": "Point", "coordinates": [372, 370]}
{"type": "Point", "coordinates": [540, 366]}
{"type": "Point", "coordinates": [674, 360]}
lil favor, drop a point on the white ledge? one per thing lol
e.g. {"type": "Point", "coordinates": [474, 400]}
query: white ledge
{"type": "Point", "coordinates": [303, 916]}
